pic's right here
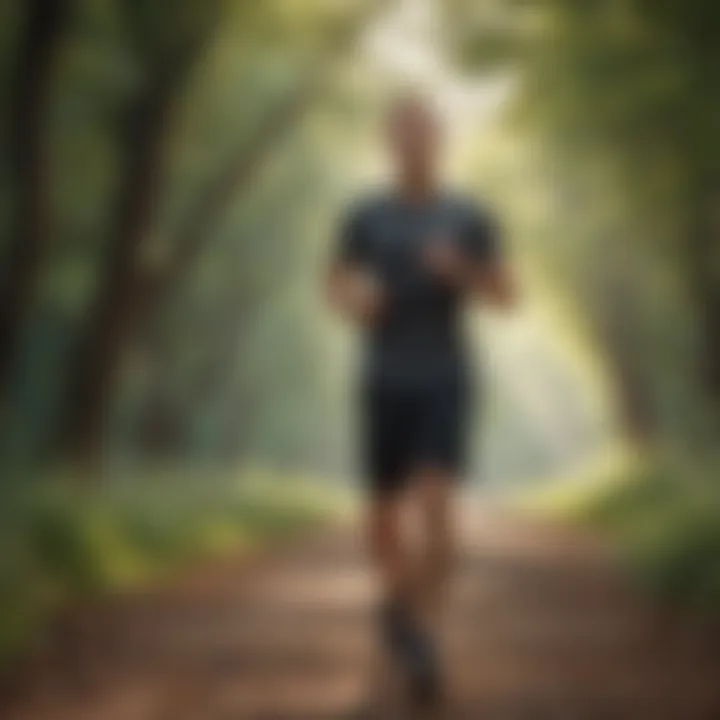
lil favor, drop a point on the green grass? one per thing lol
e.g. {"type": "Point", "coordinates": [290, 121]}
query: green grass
{"type": "Point", "coordinates": [62, 542]}
{"type": "Point", "coordinates": [664, 519]}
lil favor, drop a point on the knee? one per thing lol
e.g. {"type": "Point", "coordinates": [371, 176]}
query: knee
{"type": "Point", "coordinates": [435, 491]}
{"type": "Point", "coordinates": [383, 532]}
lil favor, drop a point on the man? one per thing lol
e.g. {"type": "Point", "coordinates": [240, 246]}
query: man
{"type": "Point", "coordinates": [407, 259]}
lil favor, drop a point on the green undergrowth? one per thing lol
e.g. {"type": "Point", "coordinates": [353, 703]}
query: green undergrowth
{"type": "Point", "coordinates": [664, 519]}
{"type": "Point", "coordinates": [62, 542]}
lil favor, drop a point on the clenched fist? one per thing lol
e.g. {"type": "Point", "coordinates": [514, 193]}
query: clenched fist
{"type": "Point", "coordinates": [365, 296]}
{"type": "Point", "coordinates": [445, 262]}
{"type": "Point", "coordinates": [357, 294]}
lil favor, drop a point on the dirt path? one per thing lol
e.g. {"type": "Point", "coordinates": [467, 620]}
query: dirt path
{"type": "Point", "coordinates": [542, 627]}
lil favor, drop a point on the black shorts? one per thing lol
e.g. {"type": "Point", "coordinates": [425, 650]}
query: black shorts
{"type": "Point", "coordinates": [407, 428]}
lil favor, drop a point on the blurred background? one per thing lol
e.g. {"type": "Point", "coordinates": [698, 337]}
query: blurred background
{"type": "Point", "coordinates": [172, 388]}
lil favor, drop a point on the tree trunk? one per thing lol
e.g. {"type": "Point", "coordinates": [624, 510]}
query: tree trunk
{"type": "Point", "coordinates": [94, 370]}
{"type": "Point", "coordinates": [704, 266]}
{"type": "Point", "coordinates": [230, 182]}
{"type": "Point", "coordinates": [28, 111]}
{"type": "Point", "coordinates": [127, 295]}
{"type": "Point", "coordinates": [623, 348]}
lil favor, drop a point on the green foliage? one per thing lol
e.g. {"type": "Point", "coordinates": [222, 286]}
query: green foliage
{"type": "Point", "coordinates": [615, 111]}
{"type": "Point", "coordinates": [613, 151]}
{"type": "Point", "coordinates": [613, 132]}
{"type": "Point", "coordinates": [237, 63]}
{"type": "Point", "coordinates": [664, 522]}
{"type": "Point", "coordinates": [61, 544]}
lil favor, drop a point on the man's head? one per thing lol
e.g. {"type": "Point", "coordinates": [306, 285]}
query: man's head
{"type": "Point", "coordinates": [414, 134]}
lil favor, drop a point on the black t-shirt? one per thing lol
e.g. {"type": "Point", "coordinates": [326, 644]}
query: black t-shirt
{"type": "Point", "coordinates": [419, 338]}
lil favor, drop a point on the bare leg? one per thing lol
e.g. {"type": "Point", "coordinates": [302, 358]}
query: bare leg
{"type": "Point", "coordinates": [392, 562]}
{"type": "Point", "coordinates": [433, 497]}
{"type": "Point", "coordinates": [388, 547]}
{"type": "Point", "coordinates": [418, 578]}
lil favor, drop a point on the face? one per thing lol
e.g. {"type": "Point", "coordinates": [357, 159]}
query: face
{"type": "Point", "coordinates": [414, 139]}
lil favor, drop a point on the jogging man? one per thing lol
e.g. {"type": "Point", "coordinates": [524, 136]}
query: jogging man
{"type": "Point", "coordinates": [406, 260]}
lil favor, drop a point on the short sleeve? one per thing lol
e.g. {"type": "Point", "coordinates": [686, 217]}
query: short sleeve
{"type": "Point", "coordinates": [482, 237]}
{"type": "Point", "coordinates": [352, 241]}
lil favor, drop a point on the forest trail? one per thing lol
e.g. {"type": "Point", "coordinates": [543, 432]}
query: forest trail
{"type": "Point", "coordinates": [542, 626]}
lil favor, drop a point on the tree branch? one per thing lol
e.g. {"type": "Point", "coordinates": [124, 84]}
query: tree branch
{"type": "Point", "coordinates": [237, 174]}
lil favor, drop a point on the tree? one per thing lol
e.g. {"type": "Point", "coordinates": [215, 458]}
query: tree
{"type": "Point", "coordinates": [171, 46]}
{"type": "Point", "coordinates": [31, 95]}
{"type": "Point", "coordinates": [626, 85]}
{"type": "Point", "coordinates": [130, 295]}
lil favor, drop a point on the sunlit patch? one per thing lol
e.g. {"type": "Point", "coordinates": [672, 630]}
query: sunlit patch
{"type": "Point", "coordinates": [407, 47]}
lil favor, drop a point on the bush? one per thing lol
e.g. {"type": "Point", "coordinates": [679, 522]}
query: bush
{"type": "Point", "coordinates": [61, 542]}
{"type": "Point", "coordinates": [665, 521]}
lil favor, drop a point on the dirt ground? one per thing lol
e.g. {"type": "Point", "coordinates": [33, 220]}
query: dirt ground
{"type": "Point", "coordinates": [543, 625]}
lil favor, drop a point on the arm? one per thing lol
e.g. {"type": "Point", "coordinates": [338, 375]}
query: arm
{"type": "Point", "coordinates": [354, 294]}
{"type": "Point", "coordinates": [494, 284]}
{"type": "Point", "coordinates": [351, 288]}
{"type": "Point", "coordinates": [475, 264]}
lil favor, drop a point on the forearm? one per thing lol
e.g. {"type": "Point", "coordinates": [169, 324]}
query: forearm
{"type": "Point", "coordinates": [494, 286]}
{"type": "Point", "coordinates": [339, 297]}
{"type": "Point", "coordinates": [353, 294]}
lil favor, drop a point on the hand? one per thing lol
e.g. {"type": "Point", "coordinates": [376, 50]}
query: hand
{"type": "Point", "coordinates": [366, 297]}
{"type": "Point", "coordinates": [443, 259]}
